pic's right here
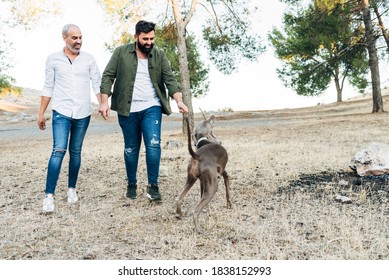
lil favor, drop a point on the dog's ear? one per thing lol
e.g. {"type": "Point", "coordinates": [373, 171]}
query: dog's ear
{"type": "Point", "coordinates": [205, 118]}
{"type": "Point", "coordinates": [211, 120]}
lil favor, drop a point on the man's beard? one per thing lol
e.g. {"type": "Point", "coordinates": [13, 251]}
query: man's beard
{"type": "Point", "coordinates": [73, 49]}
{"type": "Point", "coordinates": [143, 48]}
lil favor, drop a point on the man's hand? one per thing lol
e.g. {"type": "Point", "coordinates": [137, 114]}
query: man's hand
{"type": "Point", "coordinates": [182, 107]}
{"type": "Point", "coordinates": [104, 110]}
{"type": "Point", "coordinates": [45, 100]}
{"type": "Point", "coordinates": [103, 105]}
{"type": "Point", "coordinates": [41, 122]}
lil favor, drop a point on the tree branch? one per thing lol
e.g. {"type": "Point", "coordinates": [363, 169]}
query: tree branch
{"type": "Point", "coordinates": [215, 17]}
{"type": "Point", "coordinates": [177, 14]}
{"type": "Point", "coordinates": [382, 26]}
{"type": "Point", "coordinates": [176, 10]}
{"type": "Point", "coordinates": [231, 11]}
{"type": "Point", "coordinates": [191, 12]}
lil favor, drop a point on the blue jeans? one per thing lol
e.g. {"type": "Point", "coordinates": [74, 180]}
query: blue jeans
{"type": "Point", "coordinates": [63, 127]}
{"type": "Point", "coordinates": [148, 124]}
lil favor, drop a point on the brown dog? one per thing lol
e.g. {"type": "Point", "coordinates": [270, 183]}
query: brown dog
{"type": "Point", "coordinates": [207, 164]}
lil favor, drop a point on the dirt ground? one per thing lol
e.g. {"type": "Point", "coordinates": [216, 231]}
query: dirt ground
{"type": "Point", "coordinates": [287, 169]}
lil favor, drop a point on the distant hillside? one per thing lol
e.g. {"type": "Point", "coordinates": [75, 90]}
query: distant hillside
{"type": "Point", "coordinates": [26, 106]}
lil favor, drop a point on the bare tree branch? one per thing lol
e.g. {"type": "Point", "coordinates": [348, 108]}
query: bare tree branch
{"type": "Point", "coordinates": [382, 26]}
{"type": "Point", "coordinates": [215, 17]}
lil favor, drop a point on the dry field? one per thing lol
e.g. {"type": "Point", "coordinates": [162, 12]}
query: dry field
{"type": "Point", "coordinates": [285, 167]}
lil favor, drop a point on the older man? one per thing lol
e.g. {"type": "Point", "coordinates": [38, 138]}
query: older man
{"type": "Point", "coordinates": [69, 74]}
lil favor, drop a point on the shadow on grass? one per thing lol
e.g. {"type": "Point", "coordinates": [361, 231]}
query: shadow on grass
{"type": "Point", "coordinates": [374, 188]}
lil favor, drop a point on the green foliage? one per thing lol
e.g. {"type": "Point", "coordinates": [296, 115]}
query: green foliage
{"type": "Point", "coordinates": [359, 65]}
{"type": "Point", "coordinates": [167, 39]}
{"type": "Point", "coordinates": [6, 86]}
{"type": "Point", "coordinates": [319, 46]}
{"type": "Point", "coordinates": [5, 81]}
{"type": "Point", "coordinates": [5, 63]}
{"type": "Point", "coordinates": [229, 37]}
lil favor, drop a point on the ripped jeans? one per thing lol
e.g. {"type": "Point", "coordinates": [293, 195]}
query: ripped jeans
{"type": "Point", "coordinates": [148, 124]}
{"type": "Point", "coordinates": [63, 127]}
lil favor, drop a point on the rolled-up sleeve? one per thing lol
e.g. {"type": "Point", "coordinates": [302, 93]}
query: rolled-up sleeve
{"type": "Point", "coordinates": [95, 77]}
{"type": "Point", "coordinates": [48, 86]}
{"type": "Point", "coordinates": [69, 83]}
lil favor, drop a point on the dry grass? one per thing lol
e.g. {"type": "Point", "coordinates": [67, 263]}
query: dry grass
{"type": "Point", "coordinates": [268, 150]}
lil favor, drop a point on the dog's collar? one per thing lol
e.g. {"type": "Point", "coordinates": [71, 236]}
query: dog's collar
{"type": "Point", "coordinates": [201, 139]}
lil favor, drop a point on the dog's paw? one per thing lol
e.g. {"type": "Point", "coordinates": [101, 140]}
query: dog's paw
{"type": "Point", "coordinates": [178, 216]}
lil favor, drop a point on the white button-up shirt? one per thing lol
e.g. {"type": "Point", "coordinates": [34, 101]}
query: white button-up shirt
{"type": "Point", "coordinates": [68, 84]}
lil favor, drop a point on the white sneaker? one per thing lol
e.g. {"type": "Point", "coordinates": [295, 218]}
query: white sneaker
{"type": "Point", "coordinates": [72, 196]}
{"type": "Point", "coordinates": [48, 204]}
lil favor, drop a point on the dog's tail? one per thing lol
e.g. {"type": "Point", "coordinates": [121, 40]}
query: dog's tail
{"type": "Point", "coordinates": [190, 149]}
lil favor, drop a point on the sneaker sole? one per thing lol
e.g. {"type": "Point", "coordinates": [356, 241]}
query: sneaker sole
{"type": "Point", "coordinates": [152, 199]}
{"type": "Point", "coordinates": [131, 197]}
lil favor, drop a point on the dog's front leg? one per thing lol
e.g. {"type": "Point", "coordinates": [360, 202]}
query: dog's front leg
{"type": "Point", "coordinates": [227, 185]}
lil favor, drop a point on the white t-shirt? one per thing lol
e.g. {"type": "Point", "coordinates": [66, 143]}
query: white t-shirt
{"type": "Point", "coordinates": [144, 95]}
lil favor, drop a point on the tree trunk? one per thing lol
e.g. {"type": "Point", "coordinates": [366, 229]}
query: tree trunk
{"type": "Point", "coordinates": [373, 58]}
{"type": "Point", "coordinates": [181, 23]}
{"type": "Point", "coordinates": [338, 86]}
{"type": "Point", "coordinates": [338, 91]}
{"type": "Point", "coordinates": [184, 75]}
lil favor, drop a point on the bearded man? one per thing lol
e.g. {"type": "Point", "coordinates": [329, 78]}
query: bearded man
{"type": "Point", "coordinates": [139, 80]}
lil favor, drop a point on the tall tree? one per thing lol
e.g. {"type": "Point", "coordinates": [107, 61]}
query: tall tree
{"type": "Point", "coordinates": [226, 30]}
{"type": "Point", "coordinates": [363, 11]}
{"type": "Point", "coordinates": [360, 12]}
{"type": "Point", "coordinates": [373, 57]}
{"type": "Point", "coordinates": [319, 47]}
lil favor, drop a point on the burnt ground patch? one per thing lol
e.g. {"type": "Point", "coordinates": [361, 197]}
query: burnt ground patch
{"type": "Point", "coordinates": [350, 184]}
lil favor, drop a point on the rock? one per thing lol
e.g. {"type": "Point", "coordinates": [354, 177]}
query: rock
{"type": "Point", "coordinates": [374, 160]}
{"type": "Point", "coordinates": [343, 199]}
{"type": "Point", "coordinates": [89, 256]}
{"type": "Point", "coordinates": [172, 144]}
{"type": "Point", "coordinates": [163, 171]}
{"type": "Point", "coordinates": [343, 183]}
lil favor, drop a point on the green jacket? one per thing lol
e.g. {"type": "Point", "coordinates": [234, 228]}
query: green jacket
{"type": "Point", "coordinates": [121, 71]}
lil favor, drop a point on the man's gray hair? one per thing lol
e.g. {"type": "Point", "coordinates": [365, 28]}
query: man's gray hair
{"type": "Point", "coordinates": [66, 28]}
